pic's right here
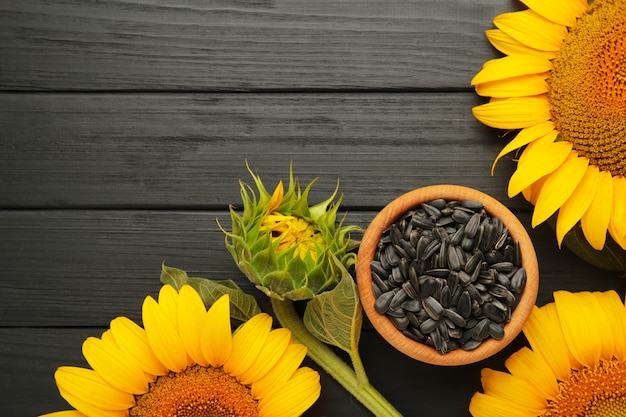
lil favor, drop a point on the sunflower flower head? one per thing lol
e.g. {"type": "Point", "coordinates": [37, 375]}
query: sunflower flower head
{"type": "Point", "coordinates": [563, 84]}
{"type": "Point", "coordinates": [286, 247]}
{"type": "Point", "coordinates": [186, 362]}
{"type": "Point", "coordinates": [576, 365]}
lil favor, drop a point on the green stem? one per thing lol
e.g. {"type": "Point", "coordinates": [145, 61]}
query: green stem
{"type": "Point", "coordinates": [355, 383]}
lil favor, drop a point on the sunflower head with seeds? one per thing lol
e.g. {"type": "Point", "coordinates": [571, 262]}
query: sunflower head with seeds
{"type": "Point", "coordinates": [286, 247]}
{"type": "Point", "coordinates": [563, 83]}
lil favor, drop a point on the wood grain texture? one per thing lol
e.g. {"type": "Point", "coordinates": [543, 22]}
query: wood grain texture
{"type": "Point", "coordinates": [29, 357]}
{"type": "Point", "coordinates": [223, 45]}
{"type": "Point", "coordinates": [125, 126]}
{"type": "Point", "coordinates": [85, 267]}
{"type": "Point", "coordinates": [189, 150]}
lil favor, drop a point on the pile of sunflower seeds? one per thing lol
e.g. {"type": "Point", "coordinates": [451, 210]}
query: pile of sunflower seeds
{"type": "Point", "coordinates": [448, 275]}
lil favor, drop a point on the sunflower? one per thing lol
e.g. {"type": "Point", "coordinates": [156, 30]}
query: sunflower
{"type": "Point", "coordinates": [563, 83]}
{"type": "Point", "coordinates": [576, 365]}
{"type": "Point", "coordinates": [185, 362]}
{"type": "Point", "coordinates": [287, 248]}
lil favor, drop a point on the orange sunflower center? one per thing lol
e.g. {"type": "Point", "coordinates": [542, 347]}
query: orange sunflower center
{"type": "Point", "coordinates": [196, 392]}
{"type": "Point", "coordinates": [588, 86]}
{"type": "Point", "coordinates": [592, 392]}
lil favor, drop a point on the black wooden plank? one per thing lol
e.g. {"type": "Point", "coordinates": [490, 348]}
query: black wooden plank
{"type": "Point", "coordinates": [225, 45]}
{"type": "Point", "coordinates": [83, 268]}
{"type": "Point", "coordinates": [189, 150]}
{"type": "Point", "coordinates": [29, 357]}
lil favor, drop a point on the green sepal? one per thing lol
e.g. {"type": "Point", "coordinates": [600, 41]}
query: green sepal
{"type": "Point", "coordinates": [612, 257]}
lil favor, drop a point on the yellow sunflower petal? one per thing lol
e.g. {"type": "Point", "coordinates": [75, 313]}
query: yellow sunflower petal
{"type": "Point", "coordinates": [538, 159]}
{"type": "Point", "coordinates": [531, 29]}
{"type": "Point", "coordinates": [191, 315]}
{"type": "Point", "coordinates": [217, 340]}
{"type": "Point", "coordinates": [91, 410]}
{"type": "Point", "coordinates": [533, 192]}
{"type": "Point", "coordinates": [529, 366]}
{"type": "Point", "coordinates": [280, 374]}
{"type": "Point", "coordinates": [133, 339]}
{"type": "Point", "coordinates": [582, 330]}
{"type": "Point", "coordinates": [482, 405]}
{"type": "Point", "coordinates": [115, 366]}
{"type": "Point", "coordinates": [563, 12]}
{"type": "Point", "coordinates": [248, 340]}
{"type": "Point", "coordinates": [577, 204]}
{"type": "Point", "coordinates": [617, 225]}
{"type": "Point", "coordinates": [522, 86]}
{"type": "Point", "coordinates": [88, 390]}
{"type": "Point", "coordinates": [595, 221]}
{"type": "Point", "coordinates": [524, 137]}
{"type": "Point", "coordinates": [300, 392]}
{"type": "Point", "coordinates": [558, 187]}
{"type": "Point", "coordinates": [68, 413]}
{"type": "Point", "coordinates": [162, 333]}
{"type": "Point", "coordinates": [270, 354]}
{"type": "Point", "coordinates": [276, 198]}
{"type": "Point", "coordinates": [513, 113]}
{"type": "Point", "coordinates": [513, 389]}
{"type": "Point", "coordinates": [545, 336]}
{"type": "Point", "coordinates": [509, 67]}
{"type": "Point", "coordinates": [168, 303]}
{"type": "Point", "coordinates": [615, 313]}
{"type": "Point", "coordinates": [510, 46]}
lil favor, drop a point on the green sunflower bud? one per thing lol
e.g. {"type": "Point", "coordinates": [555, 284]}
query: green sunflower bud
{"type": "Point", "coordinates": [285, 246]}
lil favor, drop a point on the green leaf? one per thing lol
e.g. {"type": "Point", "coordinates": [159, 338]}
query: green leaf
{"type": "Point", "coordinates": [242, 306]}
{"type": "Point", "coordinates": [335, 317]}
{"type": "Point", "coordinates": [173, 276]}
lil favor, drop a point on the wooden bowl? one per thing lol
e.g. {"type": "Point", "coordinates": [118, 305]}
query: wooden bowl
{"type": "Point", "coordinates": [383, 324]}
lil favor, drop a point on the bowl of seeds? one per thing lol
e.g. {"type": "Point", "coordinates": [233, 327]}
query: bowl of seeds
{"type": "Point", "coordinates": [447, 275]}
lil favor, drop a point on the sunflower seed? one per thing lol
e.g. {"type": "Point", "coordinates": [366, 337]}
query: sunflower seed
{"type": "Point", "coordinates": [413, 333]}
{"type": "Point", "coordinates": [422, 222]}
{"type": "Point", "coordinates": [472, 205]}
{"type": "Point", "coordinates": [472, 226]}
{"type": "Point", "coordinates": [454, 262]}
{"type": "Point", "coordinates": [382, 303]}
{"type": "Point", "coordinates": [461, 216]}
{"type": "Point", "coordinates": [496, 331]}
{"type": "Point", "coordinates": [427, 286]}
{"type": "Point", "coordinates": [429, 325]}
{"type": "Point", "coordinates": [398, 298]}
{"type": "Point", "coordinates": [412, 305]}
{"type": "Point", "coordinates": [493, 313]}
{"type": "Point", "coordinates": [431, 211]}
{"type": "Point", "coordinates": [378, 268]}
{"type": "Point", "coordinates": [438, 272]}
{"type": "Point", "coordinates": [439, 203]}
{"type": "Point", "coordinates": [503, 266]}
{"type": "Point", "coordinates": [470, 345]}
{"type": "Point", "coordinates": [432, 307]}
{"type": "Point", "coordinates": [455, 317]}
{"type": "Point", "coordinates": [400, 322]}
{"type": "Point", "coordinates": [431, 249]}
{"type": "Point", "coordinates": [464, 306]}
{"type": "Point", "coordinates": [407, 288]}
{"type": "Point", "coordinates": [446, 297]}
{"type": "Point", "coordinates": [481, 330]}
{"type": "Point", "coordinates": [380, 283]}
{"type": "Point", "coordinates": [518, 280]}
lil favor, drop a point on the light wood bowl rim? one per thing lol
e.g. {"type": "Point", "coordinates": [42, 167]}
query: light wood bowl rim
{"type": "Point", "coordinates": [384, 326]}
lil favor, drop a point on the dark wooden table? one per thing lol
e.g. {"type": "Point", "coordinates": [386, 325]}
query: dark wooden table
{"type": "Point", "coordinates": [125, 126]}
